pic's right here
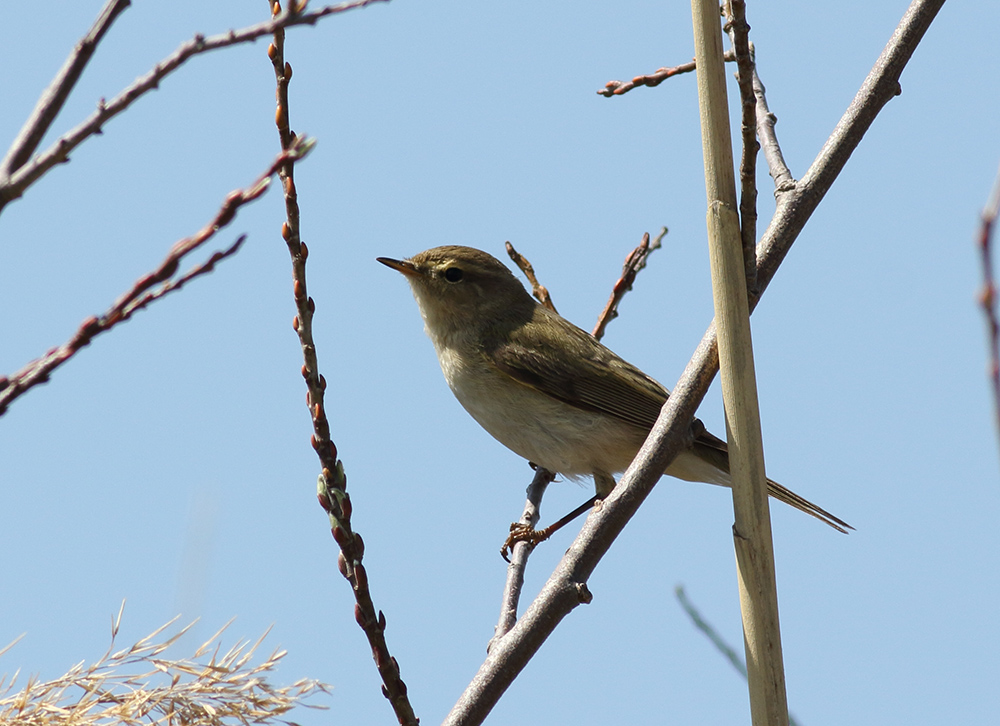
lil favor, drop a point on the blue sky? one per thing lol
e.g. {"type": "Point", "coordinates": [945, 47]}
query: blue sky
{"type": "Point", "coordinates": [168, 464]}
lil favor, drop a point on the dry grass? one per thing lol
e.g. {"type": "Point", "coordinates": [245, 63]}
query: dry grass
{"type": "Point", "coordinates": [139, 685]}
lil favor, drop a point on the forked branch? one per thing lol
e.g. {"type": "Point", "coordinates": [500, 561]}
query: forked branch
{"type": "Point", "coordinates": [149, 287]}
{"type": "Point", "coordinates": [566, 587]}
{"type": "Point", "coordinates": [14, 184]}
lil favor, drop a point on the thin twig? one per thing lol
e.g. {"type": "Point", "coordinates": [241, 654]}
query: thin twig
{"type": "Point", "coordinates": [13, 186]}
{"type": "Point", "coordinates": [521, 549]}
{"type": "Point", "coordinates": [537, 289]}
{"type": "Point", "coordinates": [196, 271]}
{"type": "Point", "coordinates": [705, 627]}
{"type": "Point", "coordinates": [617, 88]}
{"type": "Point", "coordinates": [765, 120]}
{"type": "Point", "coordinates": [52, 99]}
{"type": "Point", "coordinates": [728, 652]}
{"type": "Point", "coordinates": [776, 166]}
{"type": "Point", "coordinates": [566, 587]}
{"type": "Point", "coordinates": [519, 555]}
{"type": "Point", "coordinates": [739, 32]}
{"type": "Point", "coordinates": [635, 261]}
{"type": "Point", "coordinates": [149, 287]}
{"type": "Point", "coordinates": [988, 296]}
{"type": "Point", "coordinates": [332, 486]}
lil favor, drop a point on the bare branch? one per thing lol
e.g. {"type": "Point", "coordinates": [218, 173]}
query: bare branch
{"type": "Point", "coordinates": [524, 537]}
{"type": "Point", "coordinates": [728, 652]}
{"type": "Point", "coordinates": [521, 550]}
{"type": "Point", "coordinates": [52, 99]}
{"type": "Point", "coordinates": [196, 271]}
{"type": "Point", "coordinates": [635, 261]}
{"type": "Point", "coordinates": [537, 289]}
{"type": "Point", "coordinates": [13, 186]}
{"type": "Point", "coordinates": [519, 555]}
{"type": "Point", "coordinates": [766, 120]}
{"type": "Point", "coordinates": [566, 587]}
{"type": "Point", "coordinates": [149, 287]}
{"type": "Point", "coordinates": [988, 296]}
{"type": "Point", "coordinates": [617, 88]}
{"type": "Point", "coordinates": [739, 32]}
{"type": "Point", "coordinates": [332, 485]}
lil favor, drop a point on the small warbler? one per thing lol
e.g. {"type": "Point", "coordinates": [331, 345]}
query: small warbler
{"type": "Point", "coordinates": [543, 387]}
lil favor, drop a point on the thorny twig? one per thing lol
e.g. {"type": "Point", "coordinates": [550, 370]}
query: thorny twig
{"type": "Point", "coordinates": [520, 551]}
{"type": "Point", "coordinates": [13, 185]}
{"type": "Point", "coordinates": [149, 287]}
{"type": "Point", "coordinates": [332, 484]}
{"type": "Point", "coordinates": [764, 119]}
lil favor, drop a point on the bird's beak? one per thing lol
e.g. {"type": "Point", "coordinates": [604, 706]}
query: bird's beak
{"type": "Point", "coordinates": [404, 266]}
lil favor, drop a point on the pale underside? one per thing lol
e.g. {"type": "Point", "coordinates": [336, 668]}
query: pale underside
{"type": "Point", "coordinates": [560, 437]}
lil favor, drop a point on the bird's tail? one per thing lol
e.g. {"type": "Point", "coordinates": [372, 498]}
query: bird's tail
{"type": "Point", "coordinates": [708, 461]}
{"type": "Point", "coordinates": [783, 494]}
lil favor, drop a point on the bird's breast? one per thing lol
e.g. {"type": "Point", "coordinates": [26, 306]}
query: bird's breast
{"type": "Point", "coordinates": [543, 429]}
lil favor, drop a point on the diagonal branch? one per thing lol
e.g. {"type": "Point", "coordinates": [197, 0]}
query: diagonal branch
{"type": "Point", "coordinates": [521, 549]}
{"type": "Point", "coordinates": [149, 287]}
{"type": "Point", "coordinates": [53, 97]}
{"type": "Point", "coordinates": [539, 290]}
{"type": "Point", "coordinates": [766, 120]}
{"type": "Point", "coordinates": [14, 185]}
{"type": "Point", "coordinates": [635, 261]}
{"type": "Point", "coordinates": [727, 651]}
{"type": "Point", "coordinates": [566, 587]}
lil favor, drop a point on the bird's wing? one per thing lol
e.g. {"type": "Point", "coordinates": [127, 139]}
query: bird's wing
{"type": "Point", "coordinates": [584, 374]}
{"type": "Point", "coordinates": [589, 376]}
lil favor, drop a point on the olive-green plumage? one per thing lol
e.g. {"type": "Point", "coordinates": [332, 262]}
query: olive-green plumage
{"type": "Point", "coordinates": [543, 387]}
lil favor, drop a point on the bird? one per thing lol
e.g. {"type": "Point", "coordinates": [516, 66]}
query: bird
{"type": "Point", "coordinates": [547, 390]}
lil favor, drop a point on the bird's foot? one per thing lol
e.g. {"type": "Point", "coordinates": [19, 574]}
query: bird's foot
{"type": "Point", "coordinates": [520, 532]}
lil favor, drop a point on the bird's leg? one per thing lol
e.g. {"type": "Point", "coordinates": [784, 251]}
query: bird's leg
{"type": "Point", "coordinates": [603, 483]}
{"type": "Point", "coordinates": [525, 533]}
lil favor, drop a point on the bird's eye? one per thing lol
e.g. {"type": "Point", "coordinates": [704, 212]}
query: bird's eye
{"type": "Point", "coordinates": [453, 274]}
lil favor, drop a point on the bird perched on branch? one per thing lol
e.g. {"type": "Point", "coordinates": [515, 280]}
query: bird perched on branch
{"type": "Point", "coordinates": [543, 387]}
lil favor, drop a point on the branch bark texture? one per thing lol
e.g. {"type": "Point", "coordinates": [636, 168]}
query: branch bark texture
{"type": "Point", "coordinates": [566, 587]}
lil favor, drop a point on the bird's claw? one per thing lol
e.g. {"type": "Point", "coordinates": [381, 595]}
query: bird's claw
{"type": "Point", "coordinates": [520, 532]}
